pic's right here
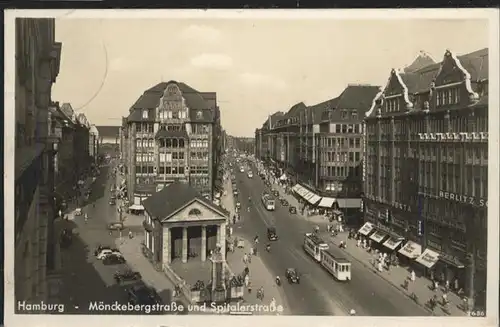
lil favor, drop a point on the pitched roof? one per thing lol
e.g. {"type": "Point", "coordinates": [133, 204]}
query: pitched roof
{"type": "Point", "coordinates": [317, 110]}
{"type": "Point", "coordinates": [356, 96]}
{"type": "Point", "coordinates": [108, 131]}
{"type": "Point", "coordinates": [201, 116]}
{"type": "Point", "coordinates": [150, 99]}
{"type": "Point", "coordinates": [173, 197]}
{"type": "Point", "coordinates": [419, 81]}
{"type": "Point", "coordinates": [423, 60]}
{"type": "Point", "coordinates": [295, 110]}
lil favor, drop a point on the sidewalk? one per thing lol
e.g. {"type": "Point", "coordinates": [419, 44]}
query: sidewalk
{"type": "Point", "coordinates": [131, 250]}
{"type": "Point", "coordinates": [396, 276]}
{"type": "Point", "coordinates": [260, 276]}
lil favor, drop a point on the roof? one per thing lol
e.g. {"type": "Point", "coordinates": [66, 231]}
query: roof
{"type": "Point", "coordinates": [423, 60]}
{"type": "Point", "coordinates": [108, 131]}
{"type": "Point", "coordinates": [419, 81]}
{"type": "Point", "coordinates": [316, 111]}
{"type": "Point", "coordinates": [357, 97]}
{"type": "Point", "coordinates": [68, 111]}
{"type": "Point", "coordinates": [201, 116]}
{"type": "Point", "coordinates": [164, 133]}
{"type": "Point", "coordinates": [150, 99]}
{"type": "Point", "coordinates": [172, 198]}
{"type": "Point", "coordinates": [295, 110]}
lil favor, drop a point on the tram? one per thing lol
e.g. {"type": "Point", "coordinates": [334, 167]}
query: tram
{"type": "Point", "coordinates": [339, 268]}
{"type": "Point", "coordinates": [314, 245]}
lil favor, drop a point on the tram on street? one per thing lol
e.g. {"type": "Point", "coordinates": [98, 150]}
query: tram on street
{"type": "Point", "coordinates": [268, 202]}
{"type": "Point", "coordinates": [339, 268]}
{"type": "Point", "coordinates": [314, 245]}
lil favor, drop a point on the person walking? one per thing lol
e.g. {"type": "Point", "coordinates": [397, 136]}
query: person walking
{"type": "Point", "coordinates": [247, 281]}
{"type": "Point", "coordinates": [412, 275]}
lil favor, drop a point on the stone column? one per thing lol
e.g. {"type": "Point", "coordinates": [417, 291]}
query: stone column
{"type": "Point", "coordinates": [203, 243]}
{"type": "Point", "coordinates": [222, 239]}
{"type": "Point", "coordinates": [166, 256]}
{"type": "Point", "coordinates": [184, 244]}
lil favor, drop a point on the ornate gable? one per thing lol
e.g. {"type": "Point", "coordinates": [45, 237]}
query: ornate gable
{"type": "Point", "coordinates": [394, 86]}
{"type": "Point", "coordinates": [451, 72]}
{"type": "Point", "coordinates": [195, 211]}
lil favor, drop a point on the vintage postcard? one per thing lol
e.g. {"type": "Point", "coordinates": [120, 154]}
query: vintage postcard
{"type": "Point", "coordinates": [178, 168]}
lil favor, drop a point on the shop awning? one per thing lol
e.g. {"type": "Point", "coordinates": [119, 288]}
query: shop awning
{"type": "Point", "coordinates": [314, 199]}
{"type": "Point", "coordinates": [366, 229]}
{"type": "Point", "coordinates": [411, 250]}
{"type": "Point", "coordinates": [303, 192]}
{"type": "Point", "coordinates": [326, 202]}
{"type": "Point", "coordinates": [349, 203]}
{"type": "Point", "coordinates": [378, 236]}
{"type": "Point", "coordinates": [136, 207]}
{"type": "Point", "coordinates": [296, 188]}
{"type": "Point", "coordinates": [392, 243]}
{"type": "Point", "coordinates": [428, 258]}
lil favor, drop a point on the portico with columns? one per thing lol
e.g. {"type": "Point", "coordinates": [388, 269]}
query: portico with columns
{"type": "Point", "coordinates": [180, 224]}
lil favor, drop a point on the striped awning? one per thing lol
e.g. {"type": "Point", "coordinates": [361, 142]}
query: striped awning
{"type": "Point", "coordinates": [326, 202]}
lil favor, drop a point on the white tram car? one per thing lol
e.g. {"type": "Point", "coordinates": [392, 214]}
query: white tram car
{"type": "Point", "coordinates": [340, 268]}
{"type": "Point", "coordinates": [314, 245]}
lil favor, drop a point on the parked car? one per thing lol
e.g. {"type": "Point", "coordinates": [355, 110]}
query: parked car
{"type": "Point", "coordinates": [104, 247]}
{"type": "Point", "coordinates": [284, 203]}
{"type": "Point", "coordinates": [113, 259]}
{"type": "Point", "coordinates": [126, 275]}
{"type": "Point", "coordinates": [271, 234]}
{"type": "Point", "coordinates": [142, 294]}
{"type": "Point", "coordinates": [116, 226]}
{"type": "Point", "coordinates": [107, 252]}
{"type": "Point", "coordinates": [276, 193]}
{"type": "Point", "coordinates": [292, 210]}
{"type": "Point", "coordinates": [293, 276]}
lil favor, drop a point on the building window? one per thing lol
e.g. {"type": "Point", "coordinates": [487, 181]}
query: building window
{"type": "Point", "coordinates": [354, 115]}
{"type": "Point", "coordinates": [144, 114]}
{"type": "Point", "coordinates": [343, 114]}
{"type": "Point", "coordinates": [338, 128]}
{"type": "Point", "coordinates": [199, 114]}
{"type": "Point", "coordinates": [161, 170]}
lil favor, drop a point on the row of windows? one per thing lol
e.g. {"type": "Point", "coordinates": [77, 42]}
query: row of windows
{"type": "Point", "coordinates": [340, 171]}
{"type": "Point", "coordinates": [348, 128]}
{"type": "Point", "coordinates": [170, 170]}
{"type": "Point", "coordinates": [392, 105]}
{"type": "Point", "coordinates": [167, 157]}
{"type": "Point", "coordinates": [200, 181]}
{"type": "Point", "coordinates": [144, 157]}
{"type": "Point", "coordinates": [447, 96]}
{"type": "Point", "coordinates": [144, 127]}
{"type": "Point", "coordinates": [172, 143]}
{"type": "Point", "coordinates": [198, 170]}
{"type": "Point", "coordinates": [340, 142]}
{"type": "Point", "coordinates": [144, 169]}
{"type": "Point", "coordinates": [332, 186]}
{"type": "Point", "coordinates": [145, 143]}
{"type": "Point", "coordinates": [435, 124]}
{"type": "Point", "coordinates": [168, 114]}
{"type": "Point", "coordinates": [199, 144]}
{"type": "Point", "coordinates": [203, 155]}
{"type": "Point", "coordinates": [173, 127]}
{"type": "Point", "coordinates": [200, 128]}
{"type": "Point", "coordinates": [332, 156]}
{"type": "Point", "coordinates": [349, 114]}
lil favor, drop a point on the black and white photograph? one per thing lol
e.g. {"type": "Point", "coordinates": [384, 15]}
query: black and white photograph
{"type": "Point", "coordinates": [280, 167]}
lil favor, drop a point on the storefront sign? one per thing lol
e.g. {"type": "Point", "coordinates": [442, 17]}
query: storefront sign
{"type": "Point", "coordinates": [372, 212]}
{"type": "Point", "coordinates": [401, 206]}
{"type": "Point", "coordinates": [462, 247]}
{"type": "Point", "coordinates": [464, 199]}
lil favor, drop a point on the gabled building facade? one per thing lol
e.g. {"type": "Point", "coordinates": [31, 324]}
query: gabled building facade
{"type": "Point", "coordinates": [426, 167]}
{"type": "Point", "coordinates": [171, 134]}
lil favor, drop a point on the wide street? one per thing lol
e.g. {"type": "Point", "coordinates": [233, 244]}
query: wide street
{"type": "Point", "coordinates": [318, 293]}
{"type": "Point", "coordinates": [85, 278]}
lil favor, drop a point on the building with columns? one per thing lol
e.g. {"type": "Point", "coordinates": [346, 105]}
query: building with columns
{"type": "Point", "coordinates": [181, 224]}
{"type": "Point", "coordinates": [426, 182]}
{"type": "Point", "coordinates": [36, 69]}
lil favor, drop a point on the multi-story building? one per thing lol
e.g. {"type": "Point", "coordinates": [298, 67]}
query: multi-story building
{"type": "Point", "coordinates": [170, 135]}
{"type": "Point", "coordinates": [427, 168]}
{"type": "Point", "coordinates": [37, 66]}
{"type": "Point", "coordinates": [94, 144]}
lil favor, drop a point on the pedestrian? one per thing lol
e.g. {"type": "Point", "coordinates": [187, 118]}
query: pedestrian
{"type": "Point", "coordinates": [436, 285]}
{"type": "Point", "coordinates": [247, 281]}
{"type": "Point", "coordinates": [249, 287]}
{"type": "Point", "coordinates": [364, 243]}
{"type": "Point", "coordinates": [380, 269]}
{"type": "Point", "coordinates": [444, 299]}
{"type": "Point", "coordinates": [412, 275]}
{"type": "Point", "coordinates": [457, 286]}
{"type": "Point", "coordinates": [447, 285]}
{"type": "Point", "coordinates": [245, 258]}
{"type": "Point", "coordinates": [358, 243]}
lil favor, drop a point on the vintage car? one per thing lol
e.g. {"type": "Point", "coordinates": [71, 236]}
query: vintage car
{"type": "Point", "coordinates": [271, 234]}
{"type": "Point", "coordinates": [113, 259]}
{"type": "Point", "coordinates": [116, 226]}
{"type": "Point", "coordinates": [292, 209]}
{"type": "Point", "coordinates": [293, 276]}
{"type": "Point", "coordinates": [126, 275]}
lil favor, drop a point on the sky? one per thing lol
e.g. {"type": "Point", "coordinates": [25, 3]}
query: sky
{"type": "Point", "coordinates": [257, 67]}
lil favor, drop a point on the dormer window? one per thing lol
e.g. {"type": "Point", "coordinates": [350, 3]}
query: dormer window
{"type": "Point", "coordinates": [144, 114]}
{"type": "Point", "coordinates": [343, 114]}
{"type": "Point", "coordinates": [392, 105]}
{"type": "Point", "coordinates": [354, 115]}
{"type": "Point", "coordinates": [447, 97]}
{"type": "Point", "coordinates": [199, 114]}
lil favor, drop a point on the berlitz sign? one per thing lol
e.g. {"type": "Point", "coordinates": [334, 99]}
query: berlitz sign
{"type": "Point", "coordinates": [464, 199]}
